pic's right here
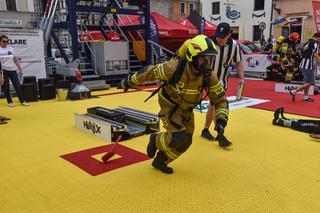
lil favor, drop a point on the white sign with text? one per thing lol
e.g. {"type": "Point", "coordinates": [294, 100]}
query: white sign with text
{"type": "Point", "coordinates": [233, 103]}
{"type": "Point", "coordinates": [283, 87]}
{"type": "Point", "coordinates": [29, 47]}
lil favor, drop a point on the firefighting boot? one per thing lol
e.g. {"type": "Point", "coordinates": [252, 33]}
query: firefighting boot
{"type": "Point", "coordinates": [276, 119]}
{"type": "Point", "coordinates": [223, 141]}
{"type": "Point", "coordinates": [158, 163]}
{"type": "Point", "coordinates": [151, 148]}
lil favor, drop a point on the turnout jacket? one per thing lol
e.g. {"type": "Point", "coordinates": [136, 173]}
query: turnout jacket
{"type": "Point", "coordinates": [188, 92]}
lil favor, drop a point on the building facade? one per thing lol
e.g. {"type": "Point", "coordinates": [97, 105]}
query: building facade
{"type": "Point", "coordinates": [249, 19]}
{"type": "Point", "coordinates": [163, 7]}
{"type": "Point", "coordinates": [299, 18]}
{"type": "Point", "coordinates": [176, 10]}
{"type": "Point", "coordinates": [17, 14]}
{"type": "Point", "coordinates": [183, 8]}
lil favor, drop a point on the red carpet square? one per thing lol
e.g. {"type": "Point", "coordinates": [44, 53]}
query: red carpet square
{"type": "Point", "coordinates": [266, 90]}
{"type": "Point", "coordinates": [85, 160]}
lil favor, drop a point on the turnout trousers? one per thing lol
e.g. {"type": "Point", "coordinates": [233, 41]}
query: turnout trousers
{"type": "Point", "coordinates": [177, 138]}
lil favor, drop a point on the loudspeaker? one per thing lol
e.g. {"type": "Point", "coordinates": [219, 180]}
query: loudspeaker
{"type": "Point", "coordinates": [29, 80]}
{"type": "Point", "coordinates": [30, 92]}
{"type": "Point", "coordinates": [44, 81]}
{"type": "Point", "coordinates": [47, 92]}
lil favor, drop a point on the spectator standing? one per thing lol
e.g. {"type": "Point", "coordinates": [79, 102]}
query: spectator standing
{"type": "Point", "coordinates": [228, 51]}
{"type": "Point", "coordinates": [269, 47]}
{"type": "Point", "coordinates": [2, 119]}
{"type": "Point", "coordinates": [310, 55]}
{"type": "Point", "coordinates": [10, 63]}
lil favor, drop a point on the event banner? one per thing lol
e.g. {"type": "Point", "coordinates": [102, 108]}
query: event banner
{"type": "Point", "coordinates": [316, 13]}
{"type": "Point", "coordinates": [29, 47]}
{"type": "Point", "coordinates": [154, 36]}
{"type": "Point", "coordinates": [256, 62]}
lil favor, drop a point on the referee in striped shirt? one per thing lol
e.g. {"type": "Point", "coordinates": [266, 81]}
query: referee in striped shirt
{"type": "Point", "coordinates": [310, 55]}
{"type": "Point", "coordinates": [228, 51]}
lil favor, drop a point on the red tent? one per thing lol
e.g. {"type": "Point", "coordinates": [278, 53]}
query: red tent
{"type": "Point", "coordinates": [168, 28]}
{"type": "Point", "coordinates": [210, 28]}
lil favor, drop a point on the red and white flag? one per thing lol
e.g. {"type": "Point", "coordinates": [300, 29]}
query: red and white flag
{"type": "Point", "coordinates": [316, 13]}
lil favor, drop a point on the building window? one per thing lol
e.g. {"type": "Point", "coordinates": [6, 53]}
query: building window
{"type": "Point", "coordinates": [183, 7]}
{"type": "Point", "coordinates": [258, 4]}
{"type": "Point", "coordinates": [215, 8]}
{"type": "Point", "coordinates": [191, 7]}
{"type": "Point", "coordinates": [11, 5]}
{"type": "Point", "coordinates": [257, 33]}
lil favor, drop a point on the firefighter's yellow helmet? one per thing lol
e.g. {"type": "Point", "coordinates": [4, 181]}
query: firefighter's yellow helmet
{"type": "Point", "coordinates": [198, 46]}
{"type": "Point", "coordinates": [181, 52]}
{"type": "Point", "coordinates": [280, 39]}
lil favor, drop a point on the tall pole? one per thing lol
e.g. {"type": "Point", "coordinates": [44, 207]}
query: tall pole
{"type": "Point", "coordinates": [273, 3]}
{"type": "Point", "coordinates": [147, 30]}
{"type": "Point", "coordinates": [73, 28]}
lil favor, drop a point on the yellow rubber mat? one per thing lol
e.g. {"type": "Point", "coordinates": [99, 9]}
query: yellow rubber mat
{"type": "Point", "coordinates": [269, 169]}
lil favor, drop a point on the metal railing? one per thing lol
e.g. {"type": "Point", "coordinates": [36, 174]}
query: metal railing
{"type": "Point", "coordinates": [92, 51]}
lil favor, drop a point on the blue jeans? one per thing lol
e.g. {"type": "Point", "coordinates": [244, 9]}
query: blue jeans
{"type": "Point", "coordinates": [13, 76]}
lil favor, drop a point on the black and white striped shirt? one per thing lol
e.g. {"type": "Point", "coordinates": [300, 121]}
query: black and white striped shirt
{"type": "Point", "coordinates": [308, 61]}
{"type": "Point", "coordinates": [226, 54]}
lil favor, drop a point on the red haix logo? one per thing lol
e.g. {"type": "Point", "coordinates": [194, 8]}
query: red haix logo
{"type": "Point", "coordinates": [196, 47]}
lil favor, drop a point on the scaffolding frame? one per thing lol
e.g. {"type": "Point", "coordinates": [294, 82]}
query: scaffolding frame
{"type": "Point", "coordinates": [104, 7]}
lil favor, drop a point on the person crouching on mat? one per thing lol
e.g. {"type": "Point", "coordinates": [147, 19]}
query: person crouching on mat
{"type": "Point", "coordinates": [185, 80]}
{"type": "Point", "coordinates": [309, 126]}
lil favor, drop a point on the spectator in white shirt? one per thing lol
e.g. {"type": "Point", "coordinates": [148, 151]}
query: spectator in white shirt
{"type": "Point", "coordinates": [3, 120]}
{"type": "Point", "coordinates": [10, 63]}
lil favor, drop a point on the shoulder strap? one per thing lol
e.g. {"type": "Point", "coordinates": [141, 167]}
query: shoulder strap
{"type": "Point", "coordinates": [174, 79]}
{"type": "Point", "coordinates": [178, 73]}
{"type": "Point", "coordinates": [229, 53]}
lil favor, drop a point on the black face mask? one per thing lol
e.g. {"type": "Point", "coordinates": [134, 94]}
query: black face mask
{"type": "Point", "coordinates": [204, 68]}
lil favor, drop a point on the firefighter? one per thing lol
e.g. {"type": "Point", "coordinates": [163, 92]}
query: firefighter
{"type": "Point", "coordinates": [287, 50]}
{"type": "Point", "coordinates": [284, 55]}
{"type": "Point", "coordinates": [309, 126]}
{"type": "Point", "coordinates": [185, 81]}
{"type": "Point", "coordinates": [277, 45]}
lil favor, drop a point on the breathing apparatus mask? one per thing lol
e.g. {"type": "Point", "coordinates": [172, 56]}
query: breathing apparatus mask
{"type": "Point", "coordinates": [201, 53]}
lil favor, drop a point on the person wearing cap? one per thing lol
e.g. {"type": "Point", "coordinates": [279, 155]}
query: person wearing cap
{"type": "Point", "coordinates": [228, 52]}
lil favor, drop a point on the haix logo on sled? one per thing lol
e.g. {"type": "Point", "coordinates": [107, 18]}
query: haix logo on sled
{"type": "Point", "coordinates": [92, 126]}
{"type": "Point", "coordinates": [287, 88]}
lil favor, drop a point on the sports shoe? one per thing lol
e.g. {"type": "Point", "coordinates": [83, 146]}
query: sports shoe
{"type": "Point", "coordinates": [162, 167]}
{"type": "Point", "coordinates": [207, 135]}
{"type": "Point", "coordinates": [151, 148]}
{"type": "Point", "coordinates": [293, 96]}
{"type": "Point", "coordinates": [11, 104]}
{"type": "Point", "coordinates": [25, 104]}
{"type": "Point", "coordinates": [308, 100]}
